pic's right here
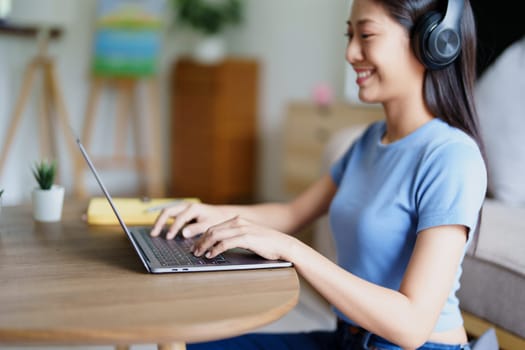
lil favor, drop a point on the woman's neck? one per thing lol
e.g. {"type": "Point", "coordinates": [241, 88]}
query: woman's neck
{"type": "Point", "coordinates": [403, 118]}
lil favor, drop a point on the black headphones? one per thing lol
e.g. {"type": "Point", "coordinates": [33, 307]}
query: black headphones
{"type": "Point", "coordinates": [436, 39]}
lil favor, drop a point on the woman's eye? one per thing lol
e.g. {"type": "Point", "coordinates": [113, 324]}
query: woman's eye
{"type": "Point", "coordinates": [364, 36]}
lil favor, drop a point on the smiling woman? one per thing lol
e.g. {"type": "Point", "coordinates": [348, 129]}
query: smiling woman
{"type": "Point", "coordinates": [411, 170]}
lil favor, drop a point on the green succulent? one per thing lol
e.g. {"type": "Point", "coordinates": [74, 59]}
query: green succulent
{"type": "Point", "coordinates": [208, 17]}
{"type": "Point", "coordinates": [44, 173]}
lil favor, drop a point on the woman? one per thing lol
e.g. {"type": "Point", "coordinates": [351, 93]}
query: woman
{"type": "Point", "coordinates": [404, 201]}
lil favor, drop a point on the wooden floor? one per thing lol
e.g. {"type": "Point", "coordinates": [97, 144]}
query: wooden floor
{"type": "Point", "coordinates": [476, 326]}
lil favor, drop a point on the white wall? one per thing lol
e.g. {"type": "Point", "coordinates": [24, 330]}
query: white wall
{"type": "Point", "coordinates": [299, 43]}
{"type": "Point", "coordinates": [71, 55]}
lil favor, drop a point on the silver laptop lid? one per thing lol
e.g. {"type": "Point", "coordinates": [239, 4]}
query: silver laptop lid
{"type": "Point", "coordinates": [110, 200]}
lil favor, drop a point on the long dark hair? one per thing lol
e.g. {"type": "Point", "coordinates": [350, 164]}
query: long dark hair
{"type": "Point", "coordinates": [448, 92]}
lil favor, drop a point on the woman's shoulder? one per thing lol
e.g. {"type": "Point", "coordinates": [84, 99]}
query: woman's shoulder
{"type": "Point", "coordinates": [452, 147]}
{"type": "Point", "coordinates": [447, 138]}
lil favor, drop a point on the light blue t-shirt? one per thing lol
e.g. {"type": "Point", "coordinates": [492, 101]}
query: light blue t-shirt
{"type": "Point", "coordinates": [387, 193]}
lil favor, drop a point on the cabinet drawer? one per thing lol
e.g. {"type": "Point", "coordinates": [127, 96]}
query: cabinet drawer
{"type": "Point", "coordinates": [306, 133]}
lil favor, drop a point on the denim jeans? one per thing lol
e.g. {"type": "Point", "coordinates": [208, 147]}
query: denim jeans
{"type": "Point", "coordinates": [340, 339]}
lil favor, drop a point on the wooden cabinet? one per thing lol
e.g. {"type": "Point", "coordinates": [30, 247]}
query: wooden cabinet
{"type": "Point", "coordinates": [214, 130]}
{"type": "Point", "coordinates": [308, 128]}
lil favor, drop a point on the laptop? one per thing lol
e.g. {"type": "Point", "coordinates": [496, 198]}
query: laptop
{"type": "Point", "coordinates": [160, 255]}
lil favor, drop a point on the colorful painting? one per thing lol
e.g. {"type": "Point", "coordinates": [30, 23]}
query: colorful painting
{"type": "Point", "coordinates": [128, 37]}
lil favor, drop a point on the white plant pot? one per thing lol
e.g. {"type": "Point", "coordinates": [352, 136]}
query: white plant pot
{"type": "Point", "coordinates": [210, 49]}
{"type": "Point", "coordinates": [47, 204]}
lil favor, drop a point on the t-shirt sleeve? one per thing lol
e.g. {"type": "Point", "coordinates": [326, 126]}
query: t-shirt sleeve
{"type": "Point", "coordinates": [451, 188]}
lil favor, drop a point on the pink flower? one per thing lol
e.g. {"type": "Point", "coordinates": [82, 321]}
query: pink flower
{"type": "Point", "coordinates": [323, 94]}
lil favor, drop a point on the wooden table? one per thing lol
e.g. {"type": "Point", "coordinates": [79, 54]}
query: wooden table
{"type": "Point", "coordinates": [68, 283]}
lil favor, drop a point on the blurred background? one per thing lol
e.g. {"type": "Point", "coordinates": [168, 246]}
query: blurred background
{"type": "Point", "coordinates": [295, 44]}
{"type": "Point", "coordinates": [205, 115]}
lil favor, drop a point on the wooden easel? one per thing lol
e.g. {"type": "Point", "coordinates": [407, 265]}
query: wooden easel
{"type": "Point", "coordinates": [51, 100]}
{"type": "Point", "coordinates": [148, 163]}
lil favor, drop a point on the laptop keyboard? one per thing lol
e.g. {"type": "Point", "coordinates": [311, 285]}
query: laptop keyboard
{"type": "Point", "coordinates": [177, 251]}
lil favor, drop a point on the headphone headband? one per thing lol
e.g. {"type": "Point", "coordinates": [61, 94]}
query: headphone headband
{"type": "Point", "coordinates": [453, 14]}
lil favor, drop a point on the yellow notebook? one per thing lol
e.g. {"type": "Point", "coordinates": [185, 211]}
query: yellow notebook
{"type": "Point", "coordinates": [134, 211]}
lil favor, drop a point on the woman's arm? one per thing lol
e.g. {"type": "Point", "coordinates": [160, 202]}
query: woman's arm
{"type": "Point", "coordinates": [290, 217]}
{"type": "Point", "coordinates": [287, 217]}
{"type": "Point", "coordinates": [405, 317]}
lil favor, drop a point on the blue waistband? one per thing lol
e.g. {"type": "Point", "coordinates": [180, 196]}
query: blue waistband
{"type": "Point", "coordinates": [370, 341]}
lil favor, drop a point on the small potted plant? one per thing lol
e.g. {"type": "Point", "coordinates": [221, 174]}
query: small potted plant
{"type": "Point", "coordinates": [209, 19]}
{"type": "Point", "coordinates": [48, 198]}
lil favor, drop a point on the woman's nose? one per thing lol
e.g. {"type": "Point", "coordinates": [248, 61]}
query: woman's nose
{"type": "Point", "coordinates": [354, 52]}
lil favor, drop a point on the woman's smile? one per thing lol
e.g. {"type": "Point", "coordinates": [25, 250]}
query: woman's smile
{"type": "Point", "coordinates": [363, 75]}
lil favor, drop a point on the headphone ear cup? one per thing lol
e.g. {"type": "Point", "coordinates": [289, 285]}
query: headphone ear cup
{"type": "Point", "coordinates": [420, 37]}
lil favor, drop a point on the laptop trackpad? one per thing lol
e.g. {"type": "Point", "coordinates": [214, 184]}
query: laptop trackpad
{"type": "Point", "coordinates": [245, 256]}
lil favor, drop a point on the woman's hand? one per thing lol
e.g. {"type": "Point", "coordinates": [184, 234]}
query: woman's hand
{"type": "Point", "coordinates": [192, 218]}
{"type": "Point", "coordinates": [241, 233]}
